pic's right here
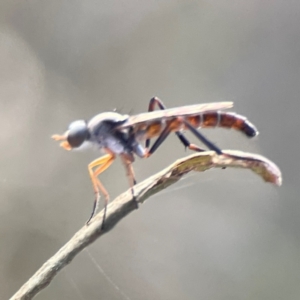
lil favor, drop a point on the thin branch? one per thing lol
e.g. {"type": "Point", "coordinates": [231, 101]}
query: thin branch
{"type": "Point", "coordinates": [123, 205]}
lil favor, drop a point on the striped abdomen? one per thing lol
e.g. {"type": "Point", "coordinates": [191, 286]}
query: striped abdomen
{"type": "Point", "coordinates": [203, 120]}
{"type": "Point", "coordinates": [223, 119]}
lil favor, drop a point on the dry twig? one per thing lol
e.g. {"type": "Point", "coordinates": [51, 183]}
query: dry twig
{"type": "Point", "coordinates": [123, 205]}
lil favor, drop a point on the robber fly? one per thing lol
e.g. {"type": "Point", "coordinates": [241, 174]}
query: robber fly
{"type": "Point", "coordinates": [122, 135]}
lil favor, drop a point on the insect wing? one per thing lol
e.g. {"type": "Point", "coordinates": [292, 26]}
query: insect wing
{"type": "Point", "coordinates": [188, 110]}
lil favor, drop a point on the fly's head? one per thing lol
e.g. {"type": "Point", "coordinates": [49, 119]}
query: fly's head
{"type": "Point", "coordinates": [75, 136]}
{"type": "Point", "coordinates": [99, 127]}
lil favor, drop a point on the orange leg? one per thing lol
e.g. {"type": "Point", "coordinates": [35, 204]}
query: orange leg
{"type": "Point", "coordinates": [104, 162]}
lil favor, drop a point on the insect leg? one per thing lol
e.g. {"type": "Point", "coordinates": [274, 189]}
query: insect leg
{"type": "Point", "coordinates": [202, 138]}
{"type": "Point", "coordinates": [156, 101]}
{"type": "Point", "coordinates": [164, 134]}
{"type": "Point", "coordinates": [127, 161]}
{"type": "Point", "coordinates": [104, 162]}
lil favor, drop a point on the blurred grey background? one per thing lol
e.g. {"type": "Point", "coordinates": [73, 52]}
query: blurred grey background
{"type": "Point", "coordinates": [222, 234]}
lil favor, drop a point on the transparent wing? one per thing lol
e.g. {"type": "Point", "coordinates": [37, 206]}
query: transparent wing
{"type": "Point", "coordinates": [188, 110]}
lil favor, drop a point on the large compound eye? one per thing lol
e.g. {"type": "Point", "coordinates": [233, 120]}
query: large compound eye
{"type": "Point", "coordinates": [77, 133]}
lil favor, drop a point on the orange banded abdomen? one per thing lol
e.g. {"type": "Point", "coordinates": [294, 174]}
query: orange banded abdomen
{"type": "Point", "coordinates": [223, 119]}
{"type": "Point", "coordinates": [204, 120]}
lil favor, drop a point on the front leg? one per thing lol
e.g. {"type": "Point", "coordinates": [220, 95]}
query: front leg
{"type": "Point", "coordinates": [102, 163]}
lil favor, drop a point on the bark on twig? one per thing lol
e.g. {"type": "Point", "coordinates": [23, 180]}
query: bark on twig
{"type": "Point", "coordinates": [123, 205]}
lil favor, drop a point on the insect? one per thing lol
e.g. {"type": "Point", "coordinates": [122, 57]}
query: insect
{"type": "Point", "coordinates": [123, 135]}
